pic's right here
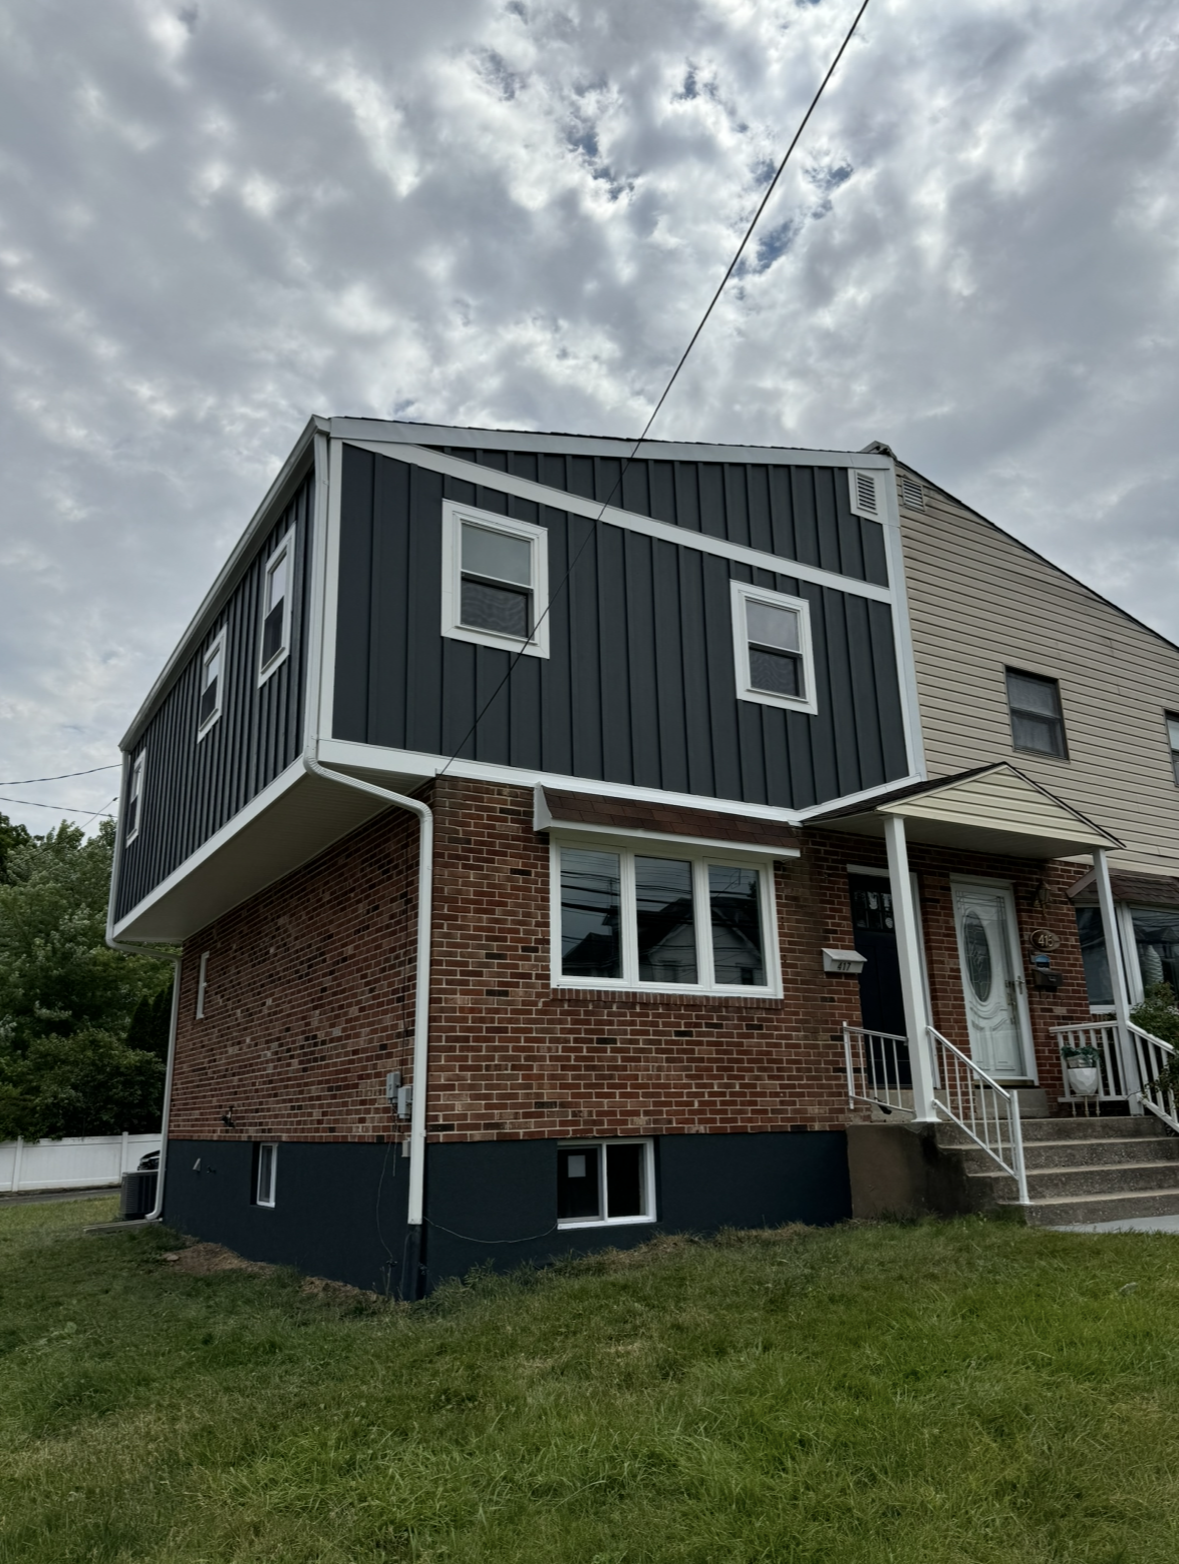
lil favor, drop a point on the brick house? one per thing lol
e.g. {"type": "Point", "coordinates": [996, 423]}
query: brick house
{"type": "Point", "coordinates": [563, 849]}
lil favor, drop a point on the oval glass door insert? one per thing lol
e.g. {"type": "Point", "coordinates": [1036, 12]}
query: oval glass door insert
{"type": "Point", "coordinates": [978, 955]}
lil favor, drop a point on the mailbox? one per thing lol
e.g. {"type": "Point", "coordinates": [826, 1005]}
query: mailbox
{"type": "Point", "coordinates": [849, 961]}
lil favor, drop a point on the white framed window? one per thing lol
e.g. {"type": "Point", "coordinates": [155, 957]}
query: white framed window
{"type": "Point", "coordinates": [773, 651]}
{"type": "Point", "coordinates": [604, 1183]}
{"type": "Point", "coordinates": [265, 1170]}
{"type": "Point", "coordinates": [1173, 741]}
{"type": "Point", "coordinates": [135, 801]}
{"type": "Point", "coordinates": [662, 922]}
{"type": "Point", "coordinates": [495, 580]}
{"type": "Point", "coordinates": [866, 492]}
{"type": "Point", "coordinates": [202, 981]}
{"type": "Point", "coordinates": [212, 685]}
{"type": "Point", "coordinates": [277, 585]}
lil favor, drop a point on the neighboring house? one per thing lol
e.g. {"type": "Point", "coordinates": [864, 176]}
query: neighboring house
{"type": "Point", "coordinates": [517, 808]}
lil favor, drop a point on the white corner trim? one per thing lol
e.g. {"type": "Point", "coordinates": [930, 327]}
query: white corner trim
{"type": "Point", "coordinates": [739, 595]}
{"type": "Point", "coordinates": [537, 538]}
{"type": "Point", "coordinates": [575, 505]}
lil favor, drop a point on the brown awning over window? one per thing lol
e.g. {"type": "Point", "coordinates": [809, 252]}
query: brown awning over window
{"type": "Point", "coordinates": [556, 808]}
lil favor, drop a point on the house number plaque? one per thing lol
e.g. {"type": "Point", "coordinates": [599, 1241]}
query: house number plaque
{"type": "Point", "coordinates": [1044, 939]}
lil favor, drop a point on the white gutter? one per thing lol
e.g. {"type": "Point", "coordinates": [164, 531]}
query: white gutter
{"type": "Point", "coordinates": [421, 1017]}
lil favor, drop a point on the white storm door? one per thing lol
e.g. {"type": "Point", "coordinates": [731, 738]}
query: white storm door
{"type": "Point", "coordinates": [992, 982]}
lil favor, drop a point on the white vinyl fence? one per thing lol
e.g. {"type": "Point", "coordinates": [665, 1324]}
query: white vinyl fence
{"type": "Point", "coordinates": [78, 1162]}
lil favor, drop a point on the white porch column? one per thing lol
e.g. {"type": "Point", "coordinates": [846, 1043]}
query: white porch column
{"type": "Point", "coordinates": [1117, 977]}
{"type": "Point", "coordinates": [909, 957]}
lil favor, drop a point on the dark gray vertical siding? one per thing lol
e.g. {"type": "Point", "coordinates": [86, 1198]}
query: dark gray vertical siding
{"type": "Point", "coordinates": [192, 789]}
{"type": "Point", "coordinates": [639, 684]}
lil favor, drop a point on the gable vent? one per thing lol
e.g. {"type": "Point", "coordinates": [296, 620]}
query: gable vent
{"type": "Point", "coordinates": [912, 493]}
{"type": "Point", "coordinates": [865, 494]}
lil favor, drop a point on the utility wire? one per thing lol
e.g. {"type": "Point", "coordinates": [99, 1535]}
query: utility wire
{"type": "Point", "coordinates": [65, 809]}
{"type": "Point", "coordinates": [61, 776]}
{"type": "Point", "coordinates": [712, 303]}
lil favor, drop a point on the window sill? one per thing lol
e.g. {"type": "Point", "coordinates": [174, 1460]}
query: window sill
{"type": "Point", "coordinates": [1042, 754]}
{"type": "Point", "coordinates": [502, 643]}
{"type": "Point", "coordinates": [664, 990]}
{"type": "Point", "coordinates": [609, 1221]}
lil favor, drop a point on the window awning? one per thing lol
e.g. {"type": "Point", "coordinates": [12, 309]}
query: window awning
{"type": "Point", "coordinates": [994, 809]}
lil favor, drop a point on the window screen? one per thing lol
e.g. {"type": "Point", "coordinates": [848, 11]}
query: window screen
{"type": "Point", "coordinates": [210, 701]}
{"type": "Point", "coordinates": [1037, 725]}
{"type": "Point", "coordinates": [496, 582]}
{"type": "Point", "coordinates": [274, 606]}
{"type": "Point", "coordinates": [775, 649]}
{"type": "Point", "coordinates": [135, 800]}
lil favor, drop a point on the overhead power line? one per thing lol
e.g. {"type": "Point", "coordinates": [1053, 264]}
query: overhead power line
{"type": "Point", "coordinates": [61, 776]}
{"type": "Point", "coordinates": [663, 395]}
{"type": "Point", "coordinates": [65, 809]}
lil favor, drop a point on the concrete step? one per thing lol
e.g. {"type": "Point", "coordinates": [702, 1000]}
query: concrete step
{"type": "Point", "coordinates": [1063, 1212]}
{"type": "Point", "coordinates": [1071, 1183]}
{"type": "Point", "coordinates": [1040, 1131]}
{"type": "Point", "coordinates": [1039, 1154]}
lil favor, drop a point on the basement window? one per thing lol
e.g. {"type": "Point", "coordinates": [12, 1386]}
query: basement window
{"type": "Point", "coordinates": [494, 580]}
{"type": "Point", "coordinates": [135, 802]}
{"type": "Point", "coordinates": [602, 1183]}
{"type": "Point", "coordinates": [265, 1170]}
{"type": "Point", "coordinates": [1037, 722]}
{"type": "Point", "coordinates": [640, 921]}
{"type": "Point", "coordinates": [772, 649]}
{"type": "Point", "coordinates": [212, 683]}
{"type": "Point", "coordinates": [276, 608]}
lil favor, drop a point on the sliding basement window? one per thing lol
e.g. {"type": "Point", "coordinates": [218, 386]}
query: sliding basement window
{"type": "Point", "coordinates": [605, 1182]}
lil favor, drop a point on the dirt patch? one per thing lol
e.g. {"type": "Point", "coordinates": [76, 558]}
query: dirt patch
{"type": "Point", "coordinates": [210, 1260]}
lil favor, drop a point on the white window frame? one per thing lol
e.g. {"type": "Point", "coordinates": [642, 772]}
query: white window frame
{"type": "Point", "coordinates": [866, 475]}
{"type": "Point", "coordinates": [215, 646]}
{"type": "Point", "coordinates": [453, 516]}
{"type": "Point", "coordinates": [700, 860]}
{"type": "Point", "coordinates": [266, 1200]}
{"type": "Point", "coordinates": [136, 794]}
{"type": "Point", "coordinates": [741, 594]}
{"type": "Point", "coordinates": [649, 1215]}
{"type": "Point", "coordinates": [202, 984]}
{"type": "Point", "coordinates": [285, 549]}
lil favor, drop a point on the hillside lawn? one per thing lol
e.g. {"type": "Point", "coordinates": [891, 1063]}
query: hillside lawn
{"type": "Point", "coordinates": [943, 1392]}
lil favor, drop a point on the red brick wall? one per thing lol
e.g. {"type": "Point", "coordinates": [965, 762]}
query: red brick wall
{"type": "Point", "coordinates": [310, 996]}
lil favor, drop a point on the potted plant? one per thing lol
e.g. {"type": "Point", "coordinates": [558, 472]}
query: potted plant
{"type": "Point", "coordinates": [1081, 1066]}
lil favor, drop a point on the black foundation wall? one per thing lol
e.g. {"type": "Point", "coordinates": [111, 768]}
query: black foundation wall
{"type": "Point", "coordinates": [340, 1209]}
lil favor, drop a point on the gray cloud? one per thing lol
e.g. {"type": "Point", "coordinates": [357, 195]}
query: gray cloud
{"type": "Point", "coordinates": [216, 219]}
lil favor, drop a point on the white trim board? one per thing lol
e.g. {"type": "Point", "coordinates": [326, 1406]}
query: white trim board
{"type": "Point", "coordinates": [352, 756]}
{"type": "Point", "coordinates": [665, 531]}
{"type": "Point", "coordinates": [389, 432]}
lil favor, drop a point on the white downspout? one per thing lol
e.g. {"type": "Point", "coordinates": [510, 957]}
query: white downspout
{"type": "Point", "coordinates": [421, 1018]}
{"type": "Point", "coordinates": [912, 979]}
{"type": "Point", "coordinates": [1117, 977]}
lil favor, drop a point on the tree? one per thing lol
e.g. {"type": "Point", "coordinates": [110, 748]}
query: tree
{"type": "Point", "coordinates": [81, 1045]}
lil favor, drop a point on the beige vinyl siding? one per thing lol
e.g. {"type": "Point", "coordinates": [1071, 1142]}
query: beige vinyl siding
{"type": "Point", "coordinates": [981, 603]}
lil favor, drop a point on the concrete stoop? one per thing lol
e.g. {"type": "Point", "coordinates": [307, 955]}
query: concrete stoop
{"type": "Point", "coordinates": [1079, 1170]}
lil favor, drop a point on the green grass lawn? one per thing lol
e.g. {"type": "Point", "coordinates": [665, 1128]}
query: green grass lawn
{"type": "Point", "coordinates": [963, 1391]}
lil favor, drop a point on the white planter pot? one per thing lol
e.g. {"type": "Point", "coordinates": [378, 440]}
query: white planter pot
{"type": "Point", "coordinates": [1083, 1080]}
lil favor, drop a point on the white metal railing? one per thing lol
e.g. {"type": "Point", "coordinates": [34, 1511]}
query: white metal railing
{"type": "Point", "coordinates": [877, 1069]}
{"type": "Point", "coordinates": [1102, 1037]}
{"type": "Point", "coordinates": [1153, 1056]}
{"type": "Point", "coordinates": [979, 1106]}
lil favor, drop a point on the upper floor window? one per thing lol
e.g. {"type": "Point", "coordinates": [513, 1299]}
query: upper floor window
{"type": "Point", "coordinates": [494, 580]}
{"type": "Point", "coordinates": [633, 920]}
{"type": "Point", "coordinates": [212, 681]}
{"type": "Point", "coordinates": [1037, 724]}
{"type": "Point", "coordinates": [276, 607]}
{"type": "Point", "coordinates": [1173, 740]}
{"type": "Point", "coordinates": [772, 649]}
{"type": "Point", "coordinates": [135, 802]}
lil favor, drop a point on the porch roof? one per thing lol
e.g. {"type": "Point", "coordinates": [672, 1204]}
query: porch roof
{"type": "Point", "coordinates": [992, 809]}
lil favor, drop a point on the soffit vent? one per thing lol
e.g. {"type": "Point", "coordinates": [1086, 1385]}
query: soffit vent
{"type": "Point", "coordinates": [912, 493]}
{"type": "Point", "coordinates": [866, 499]}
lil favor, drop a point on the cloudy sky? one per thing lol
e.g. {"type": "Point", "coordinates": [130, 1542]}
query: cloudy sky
{"type": "Point", "coordinates": [221, 216]}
